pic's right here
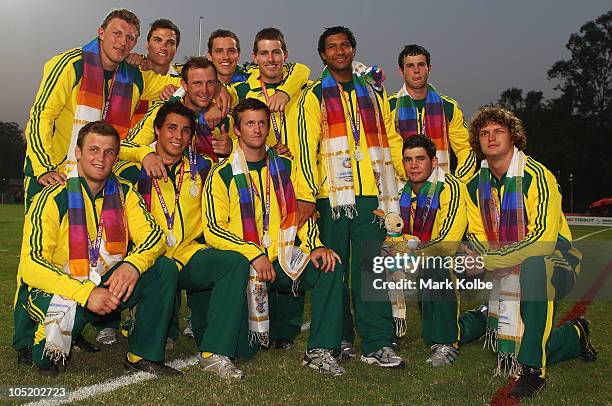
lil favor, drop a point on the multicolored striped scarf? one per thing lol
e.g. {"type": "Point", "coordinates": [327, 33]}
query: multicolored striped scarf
{"type": "Point", "coordinates": [116, 109]}
{"type": "Point", "coordinates": [61, 313]}
{"type": "Point", "coordinates": [503, 226]}
{"type": "Point", "coordinates": [435, 125]}
{"type": "Point", "coordinates": [292, 259]}
{"type": "Point", "coordinates": [428, 203]}
{"type": "Point", "coordinates": [203, 139]}
{"type": "Point", "coordinates": [335, 147]}
{"type": "Point", "coordinates": [115, 225]}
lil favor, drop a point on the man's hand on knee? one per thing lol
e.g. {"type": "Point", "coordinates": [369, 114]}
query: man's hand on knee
{"type": "Point", "coordinates": [122, 281]}
{"type": "Point", "coordinates": [328, 259]}
{"type": "Point", "coordinates": [264, 269]}
{"type": "Point", "coordinates": [101, 301]}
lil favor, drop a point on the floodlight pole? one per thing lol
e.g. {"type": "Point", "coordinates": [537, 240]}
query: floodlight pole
{"type": "Point", "coordinates": [200, 35]}
{"type": "Point", "coordinates": [571, 182]}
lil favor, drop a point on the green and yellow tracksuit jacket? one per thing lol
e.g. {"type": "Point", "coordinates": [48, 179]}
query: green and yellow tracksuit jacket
{"type": "Point", "coordinates": [49, 130]}
{"type": "Point", "coordinates": [312, 165]}
{"type": "Point", "coordinates": [458, 135]}
{"type": "Point", "coordinates": [547, 227]}
{"type": "Point", "coordinates": [222, 219]}
{"type": "Point", "coordinates": [45, 247]}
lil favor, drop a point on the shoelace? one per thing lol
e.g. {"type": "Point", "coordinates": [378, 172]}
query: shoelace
{"type": "Point", "coordinates": [327, 358]}
{"type": "Point", "coordinates": [444, 349]}
{"type": "Point", "coordinates": [387, 352]}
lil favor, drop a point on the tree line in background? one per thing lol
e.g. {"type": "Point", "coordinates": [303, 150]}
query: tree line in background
{"type": "Point", "coordinates": [570, 134]}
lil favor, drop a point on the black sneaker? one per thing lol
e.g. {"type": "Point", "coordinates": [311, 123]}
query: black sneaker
{"type": "Point", "coordinates": [528, 383]}
{"type": "Point", "coordinates": [283, 344]}
{"type": "Point", "coordinates": [49, 372]}
{"type": "Point", "coordinates": [151, 367]}
{"type": "Point", "coordinates": [24, 356]}
{"type": "Point", "coordinates": [82, 344]}
{"type": "Point", "coordinates": [587, 352]}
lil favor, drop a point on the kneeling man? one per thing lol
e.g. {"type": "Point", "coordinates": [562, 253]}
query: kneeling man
{"type": "Point", "coordinates": [215, 280]}
{"type": "Point", "coordinates": [250, 207]}
{"type": "Point", "coordinates": [76, 265]}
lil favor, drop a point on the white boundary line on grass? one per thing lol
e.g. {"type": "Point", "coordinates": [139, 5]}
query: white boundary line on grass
{"type": "Point", "coordinates": [92, 390]}
{"type": "Point", "coordinates": [115, 383]}
{"type": "Point", "coordinates": [593, 233]}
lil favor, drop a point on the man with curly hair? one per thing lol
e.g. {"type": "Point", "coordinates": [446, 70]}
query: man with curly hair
{"type": "Point", "coordinates": [516, 225]}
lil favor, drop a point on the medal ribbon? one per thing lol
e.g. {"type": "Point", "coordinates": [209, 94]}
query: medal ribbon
{"type": "Point", "coordinates": [108, 97]}
{"type": "Point", "coordinates": [272, 116]}
{"type": "Point", "coordinates": [170, 218]}
{"type": "Point", "coordinates": [266, 214]}
{"type": "Point", "coordinates": [355, 124]}
{"type": "Point", "coordinates": [94, 248]}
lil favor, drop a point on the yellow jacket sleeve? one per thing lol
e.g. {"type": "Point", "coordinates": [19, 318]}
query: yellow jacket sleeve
{"type": "Point", "coordinates": [154, 84]}
{"type": "Point", "coordinates": [41, 236]}
{"type": "Point", "coordinates": [395, 139]}
{"type": "Point", "coordinates": [309, 136]}
{"type": "Point", "coordinates": [459, 139]}
{"type": "Point", "coordinates": [476, 234]}
{"type": "Point", "coordinates": [135, 147]}
{"type": "Point", "coordinates": [215, 218]}
{"type": "Point", "coordinates": [543, 207]}
{"type": "Point", "coordinates": [145, 233]}
{"type": "Point", "coordinates": [309, 232]}
{"type": "Point", "coordinates": [294, 79]}
{"type": "Point", "coordinates": [453, 216]}
{"type": "Point", "coordinates": [54, 93]}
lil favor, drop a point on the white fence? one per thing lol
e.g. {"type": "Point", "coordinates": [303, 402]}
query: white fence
{"type": "Point", "coordinates": [589, 221]}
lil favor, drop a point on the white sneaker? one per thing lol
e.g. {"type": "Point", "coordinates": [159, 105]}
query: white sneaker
{"type": "Point", "coordinates": [323, 361]}
{"type": "Point", "coordinates": [443, 354]}
{"type": "Point", "coordinates": [107, 336]}
{"type": "Point", "coordinates": [221, 365]}
{"type": "Point", "coordinates": [385, 358]}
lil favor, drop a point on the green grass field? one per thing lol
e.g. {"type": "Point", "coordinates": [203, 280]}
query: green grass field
{"type": "Point", "coordinates": [277, 377]}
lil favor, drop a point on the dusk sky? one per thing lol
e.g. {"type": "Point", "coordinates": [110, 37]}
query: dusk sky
{"type": "Point", "coordinates": [479, 47]}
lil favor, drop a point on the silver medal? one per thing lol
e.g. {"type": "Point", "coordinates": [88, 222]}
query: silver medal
{"type": "Point", "coordinates": [193, 189]}
{"type": "Point", "coordinates": [170, 239]}
{"type": "Point", "coordinates": [358, 155]}
{"type": "Point", "coordinates": [266, 241]}
{"type": "Point", "coordinates": [94, 276]}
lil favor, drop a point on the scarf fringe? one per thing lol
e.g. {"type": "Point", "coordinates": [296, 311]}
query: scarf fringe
{"type": "Point", "coordinates": [490, 339]}
{"type": "Point", "coordinates": [400, 326]}
{"type": "Point", "coordinates": [294, 287]}
{"type": "Point", "coordinates": [379, 220]}
{"type": "Point", "coordinates": [55, 353]}
{"type": "Point", "coordinates": [350, 211]}
{"type": "Point", "coordinates": [507, 365]}
{"type": "Point", "coordinates": [262, 338]}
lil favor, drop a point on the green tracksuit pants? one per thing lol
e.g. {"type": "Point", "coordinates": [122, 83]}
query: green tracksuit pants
{"type": "Point", "coordinates": [544, 280]}
{"type": "Point", "coordinates": [357, 241]}
{"type": "Point", "coordinates": [215, 281]}
{"type": "Point", "coordinates": [154, 297]}
{"type": "Point", "coordinates": [326, 307]}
